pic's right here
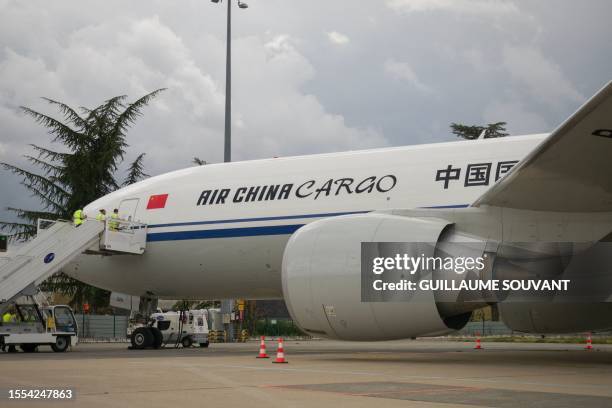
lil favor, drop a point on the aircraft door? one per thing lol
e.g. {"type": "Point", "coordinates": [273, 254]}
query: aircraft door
{"type": "Point", "coordinates": [127, 209]}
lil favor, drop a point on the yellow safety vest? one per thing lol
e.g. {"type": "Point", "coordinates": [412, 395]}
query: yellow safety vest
{"type": "Point", "coordinates": [7, 318]}
{"type": "Point", "coordinates": [113, 224]}
{"type": "Point", "coordinates": [77, 217]}
{"type": "Point", "coordinates": [100, 217]}
{"type": "Point", "coordinates": [50, 323]}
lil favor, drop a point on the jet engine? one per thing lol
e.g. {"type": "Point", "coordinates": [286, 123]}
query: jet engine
{"type": "Point", "coordinates": [557, 317]}
{"type": "Point", "coordinates": [321, 277]}
{"type": "Point", "coordinates": [585, 264]}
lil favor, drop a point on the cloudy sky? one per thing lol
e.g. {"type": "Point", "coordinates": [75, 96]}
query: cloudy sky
{"type": "Point", "coordinates": [309, 76]}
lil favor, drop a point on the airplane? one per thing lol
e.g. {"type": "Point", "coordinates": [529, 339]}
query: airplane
{"type": "Point", "coordinates": [291, 228]}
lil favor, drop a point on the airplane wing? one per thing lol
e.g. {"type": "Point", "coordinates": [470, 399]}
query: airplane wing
{"type": "Point", "coordinates": [570, 171]}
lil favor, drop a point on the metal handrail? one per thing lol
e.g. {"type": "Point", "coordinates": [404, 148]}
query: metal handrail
{"type": "Point", "coordinates": [50, 223]}
{"type": "Point", "coordinates": [40, 222]}
{"type": "Point", "coordinates": [123, 226]}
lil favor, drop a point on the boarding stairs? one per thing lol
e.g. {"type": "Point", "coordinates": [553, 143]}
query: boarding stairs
{"type": "Point", "coordinates": [54, 247]}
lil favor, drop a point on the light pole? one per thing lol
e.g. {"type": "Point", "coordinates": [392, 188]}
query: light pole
{"type": "Point", "coordinates": [227, 305]}
{"type": "Point", "coordinates": [227, 150]}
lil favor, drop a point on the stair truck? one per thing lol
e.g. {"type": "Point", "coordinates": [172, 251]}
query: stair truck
{"type": "Point", "coordinates": [56, 244]}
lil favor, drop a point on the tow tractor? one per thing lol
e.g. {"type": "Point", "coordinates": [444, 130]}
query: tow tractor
{"type": "Point", "coordinates": [32, 326]}
{"type": "Point", "coordinates": [187, 327]}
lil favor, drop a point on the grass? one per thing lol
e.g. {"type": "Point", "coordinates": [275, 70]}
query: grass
{"type": "Point", "coordinates": [536, 339]}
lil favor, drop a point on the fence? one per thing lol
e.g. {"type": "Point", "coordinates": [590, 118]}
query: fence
{"type": "Point", "coordinates": [490, 328]}
{"type": "Point", "coordinates": [486, 328]}
{"type": "Point", "coordinates": [113, 328]}
{"type": "Point", "coordinates": [277, 327]}
{"type": "Point", "coordinates": [102, 327]}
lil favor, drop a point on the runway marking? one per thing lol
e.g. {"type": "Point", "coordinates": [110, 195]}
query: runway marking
{"type": "Point", "coordinates": [506, 398]}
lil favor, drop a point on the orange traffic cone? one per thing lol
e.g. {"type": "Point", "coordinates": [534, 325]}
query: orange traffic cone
{"type": "Point", "coordinates": [280, 353]}
{"type": "Point", "coordinates": [589, 342]}
{"type": "Point", "coordinates": [262, 348]}
{"type": "Point", "coordinates": [478, 345]}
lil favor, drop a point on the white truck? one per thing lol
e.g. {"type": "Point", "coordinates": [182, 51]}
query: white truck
{"type": "Point", "coordinates": [31, 326]}
{"type": "Point", "coordinates": [187, 328]}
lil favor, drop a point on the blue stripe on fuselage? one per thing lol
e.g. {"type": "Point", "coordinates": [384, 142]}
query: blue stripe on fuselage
{"type": "Point", "coordinates": [246, 231]}
{"type": "Point", "coordinates": [283, 217]}
{"type": "Point", "coordinates": [224, 233]}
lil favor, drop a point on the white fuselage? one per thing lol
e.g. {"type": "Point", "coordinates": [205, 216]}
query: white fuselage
{"type": "Point", "coordinates": [222, 229]}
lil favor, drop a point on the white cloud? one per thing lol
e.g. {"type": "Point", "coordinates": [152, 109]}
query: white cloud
{"type": "Point", "coordinates": [403, 71]}
{"type": "Point", "coordinates": [478, 7]}
{"type": "Point", "coordinates": [476, 59]}
{"type": "Point", "coordinates": [272, 115]}
{"type": "Point", "coordinates": [542, 79]}
{"type": "Point", "coordinates": [338, 38]}
{"type": "Point", "coordinates": [291, 95]}
{"type": "Point", "coordinates": [279, 44]}
{"type": "Point", "coordinates": [520, 120]}
{"type": "Point", "coordinates": [289, 121]}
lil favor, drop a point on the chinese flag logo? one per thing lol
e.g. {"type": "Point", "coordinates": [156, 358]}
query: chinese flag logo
{"type": "Point", "coordinates": [157, 201]}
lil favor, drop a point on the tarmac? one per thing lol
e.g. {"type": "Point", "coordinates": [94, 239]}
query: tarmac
{"type": "Point", "coordinates": [410, 373]}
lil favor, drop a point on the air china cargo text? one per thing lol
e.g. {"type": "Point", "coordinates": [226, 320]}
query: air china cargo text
{"type": "Point", "coordinates": [311, 189]}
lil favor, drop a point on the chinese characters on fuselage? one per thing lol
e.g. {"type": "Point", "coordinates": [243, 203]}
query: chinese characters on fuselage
{"type": "Point", "coordinates": [475, 174]}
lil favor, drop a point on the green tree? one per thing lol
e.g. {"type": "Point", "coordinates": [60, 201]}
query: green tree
{"type": "Point", "coordinates": [95, 144]}
{"type": "Point", "coordinates": [472, 132]}
{"type": "Point", "coordinates": [136, 171]}
{"type": "Point", "coordinates": [84, 169]}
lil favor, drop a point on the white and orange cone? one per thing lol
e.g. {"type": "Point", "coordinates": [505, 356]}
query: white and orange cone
{"type": "Point", "coordinates": [589, 342]}
{"type": "Point", "coordinates": [262, 348]}
{"type": "Point", "coordinates": [478, 345]}
{"type": "Point", "coordinates": [280, 353]}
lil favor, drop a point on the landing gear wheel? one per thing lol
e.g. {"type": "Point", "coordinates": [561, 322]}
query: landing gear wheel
{"type": "Point", "coordinates": [158, 337]}
{"type": "Point", "coordinates": [204, 345]}
{"type": "Point", "coordinates": [142, 338]}
{"type": "Point", "coordinates": [187, 342]}
{"type": "Point", "coordinates": [61, 344]}
{"type": "Point", "coordinates": [28, 348]}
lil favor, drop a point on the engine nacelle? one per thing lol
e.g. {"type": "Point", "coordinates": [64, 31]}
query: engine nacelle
{"type": "Point", "coordinates": [556, 318]}
{"type": "Point", "coordinates": [322, 280]}
{"type": "Point", "coordinates": [585, 264]}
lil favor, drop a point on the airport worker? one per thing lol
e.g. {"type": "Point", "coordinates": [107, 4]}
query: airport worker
{"type": "Point", "coordinates": [6, 318]}
{"type": "Point", "coordinates": [101, 215]}
{"type": "Point", "coordinates": [10, 316]}
{"type": "Point", "coordinates": [50, 323]}
{"type": "Point", "coordinates": [113, 224]}
{"type": "Point", "coordinates": [78, 217]}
